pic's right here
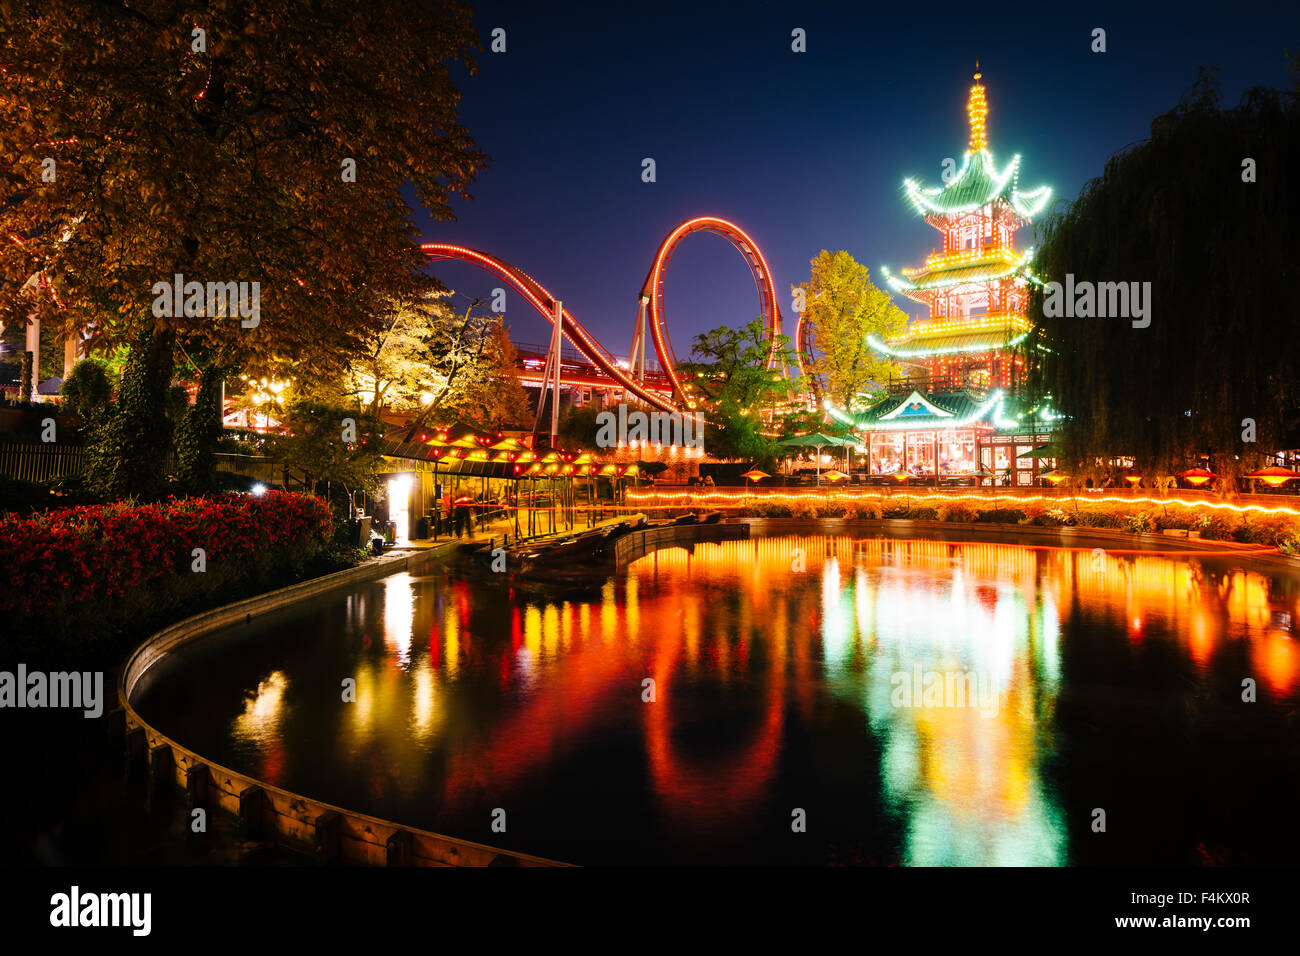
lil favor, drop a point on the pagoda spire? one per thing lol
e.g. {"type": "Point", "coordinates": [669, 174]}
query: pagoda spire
{"type": "Point", "coordinates": [976, 109]}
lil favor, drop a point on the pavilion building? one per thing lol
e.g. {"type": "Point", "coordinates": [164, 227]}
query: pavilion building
{"type": "Point", "coordinates": [954, 416]}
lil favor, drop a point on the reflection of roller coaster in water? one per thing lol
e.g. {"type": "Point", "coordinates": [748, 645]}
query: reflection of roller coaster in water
{"type": "Point", "coordinates": [663, 390]}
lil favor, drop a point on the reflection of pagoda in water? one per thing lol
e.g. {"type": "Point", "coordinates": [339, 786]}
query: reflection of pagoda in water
{"type": "Point", "coordinates": [953, 416]}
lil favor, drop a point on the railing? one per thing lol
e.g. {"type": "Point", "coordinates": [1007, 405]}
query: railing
{"type": "Point", "coordinates": [933, 383]}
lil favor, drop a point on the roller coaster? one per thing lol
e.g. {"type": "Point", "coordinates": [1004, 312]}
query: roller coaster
{"type": "Point", "coordinates": [664, 392]}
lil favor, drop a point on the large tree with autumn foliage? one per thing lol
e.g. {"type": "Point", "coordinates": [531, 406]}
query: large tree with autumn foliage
{"type": "Point", "coordinates": [217, 141]}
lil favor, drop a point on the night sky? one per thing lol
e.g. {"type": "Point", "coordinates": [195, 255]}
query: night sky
{"type": "Point", "coordinates": [804, 151]}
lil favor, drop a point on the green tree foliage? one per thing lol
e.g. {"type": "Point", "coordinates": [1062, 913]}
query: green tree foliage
{"type": "Point", "coordinates": [737, 390]}
{"type": "Point", "coordinates": [198, 434]}
{"type": "Point", "coordinates": [1223, 344]}
{"type": "Point", "coordinates": [129, 450]}
{"type": "Point", "coordinates": [88, 389]}
{"type": "Point", "coordinates": [844, 307]}
{"type": "Point", "coordinates": [314, 451]}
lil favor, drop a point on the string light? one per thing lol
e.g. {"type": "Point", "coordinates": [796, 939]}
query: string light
{"type": "Point", "coordinates": [949, 326]}
{"type": "Point", "coordinates": [880, 346]}
{"type": "Point", "coordinates": [1088, 496]}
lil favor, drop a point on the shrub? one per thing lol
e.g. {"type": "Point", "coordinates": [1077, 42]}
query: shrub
{"type": "Point", "coordinates": [803, 508]}
{"type": "Point", "coordinates": [1055, 518]}
{"type": "Point", "coordinates": [864, 510]}
{"type": "Point", "coordinates": [88, 388]}
{"type": "Point", "coordinates": [1097, 518]}
{"type": "Point", "coordinates": [955, 511]}
{"type": "Point", "coordinates": [1000, 515]}
{"type": "Point", "coordinates": [1139, 522]}
{"type": "Point", "coordinates": [1218, 526]}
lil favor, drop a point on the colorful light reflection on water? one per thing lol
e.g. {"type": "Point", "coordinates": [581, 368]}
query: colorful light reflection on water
{"type": "Point", "coordinates": [820, 674]}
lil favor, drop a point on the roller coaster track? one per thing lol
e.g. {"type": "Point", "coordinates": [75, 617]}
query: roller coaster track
{"type": "Point", "coordinates": [651, 306]}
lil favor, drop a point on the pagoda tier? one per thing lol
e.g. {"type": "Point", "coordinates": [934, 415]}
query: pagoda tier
{"type": "Point", "coordinates": [976, 287]}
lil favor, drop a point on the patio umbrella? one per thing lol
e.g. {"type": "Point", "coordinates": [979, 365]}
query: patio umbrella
{"type": "Point", "coordinates": [754, 474]}
{"type": "Point", "coordinates": [1273, 475]}
{"type": "Point", "coordinates": [1197, 476]}
{"type": "Point", "coordinates": [1055, 477]}
{"type": "Point", "coordinates": [819, 441]}
{"type": "Point", "coordinates": [1050, 450]}
{"type": "Point", "coordinates": [835, 476]}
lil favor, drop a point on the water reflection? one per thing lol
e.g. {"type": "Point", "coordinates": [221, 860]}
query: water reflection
{"type": "Point", "coordinates": [907, 694]}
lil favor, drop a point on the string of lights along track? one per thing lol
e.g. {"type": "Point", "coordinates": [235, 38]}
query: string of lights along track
{"type": "Point", "coordinates": [650, 309]}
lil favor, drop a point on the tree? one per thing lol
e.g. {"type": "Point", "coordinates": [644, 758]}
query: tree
{"type": "Point", "coordinates": [239, 141]}
{"type": "Point", "coordinates": [88, 389]}
{"type": "Point", "coordinates": [844, 307]}
{"type": "Point", "coordinates": [1181, 212]}
{"type": "Point", "coordinates": [578, 427]}
{"type": "Point", "coordinates": [737, 388]}
{"type": "Point", "coordinates": [329, 445]}
{"type": "Point", "coordinates": [469, 366]}
{"type": "Point", "coordinates": [199, 432]}
{"type": "Point", "coordinates": [128, 453]}
{"type": "Point", "coordinates": [390, 370]}
{"type": "Point", "coordinates": [492, 395]}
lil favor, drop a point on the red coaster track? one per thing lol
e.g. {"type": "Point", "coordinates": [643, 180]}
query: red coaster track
{"type": "Point", "coordinates": [651, 296]}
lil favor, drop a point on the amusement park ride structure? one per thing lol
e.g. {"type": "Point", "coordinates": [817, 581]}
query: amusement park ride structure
{"type": "Point", "coordinates": [666, 391]}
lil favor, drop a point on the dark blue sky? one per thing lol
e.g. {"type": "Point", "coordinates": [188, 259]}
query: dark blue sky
{"type": "Point", "coordinates": [805, 151]}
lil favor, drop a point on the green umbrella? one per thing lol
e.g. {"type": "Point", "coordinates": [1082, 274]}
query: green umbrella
{"type": "Point", "coordinates": [817, 440]}
{"type": "Point", "coordinates": [1050, 450]}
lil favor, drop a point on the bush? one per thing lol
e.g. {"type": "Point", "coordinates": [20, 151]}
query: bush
{"type": "Point", "coordinates": [1000, 516]}
{"type": "Point", "coordinates": [88, 389]}
{"type": "Point", "coordinates": [1139, 522]}
{"type": "Point", "coordinates": [91, 570]}
{"type": "Point", "coordinates": [1096, 518]}
{"type": "Point", "coordinates": [1054, 518]}
{"type": "Point", "coordinates": [1218, 526]}
{"type": "Point", "coordinates": [956, 511]}
{"type": "Point", "coordinates": [865, 510]}
{"type": "Point", "coordinates": [803, 508]}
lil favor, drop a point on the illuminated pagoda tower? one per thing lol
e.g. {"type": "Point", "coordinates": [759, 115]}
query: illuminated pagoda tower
{"type": "Point", "coordinates": [953, 415]}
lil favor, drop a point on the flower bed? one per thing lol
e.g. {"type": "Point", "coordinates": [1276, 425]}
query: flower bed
{"type": "Point", "coordinates": [104, 565]}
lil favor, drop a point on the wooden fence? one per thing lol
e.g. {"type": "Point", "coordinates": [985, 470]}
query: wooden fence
{"type": "Point", "coordinates": [37, 461]}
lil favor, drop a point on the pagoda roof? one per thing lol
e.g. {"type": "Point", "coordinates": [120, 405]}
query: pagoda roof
{"type": "Point", "coordinates": [987, 340]}
{"type": "Point", "coordinates": [934, 410]}
{"type": "Point", "coordinates": [977, 184]}
{"type": "Point", "coordinates": [997, 266]}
